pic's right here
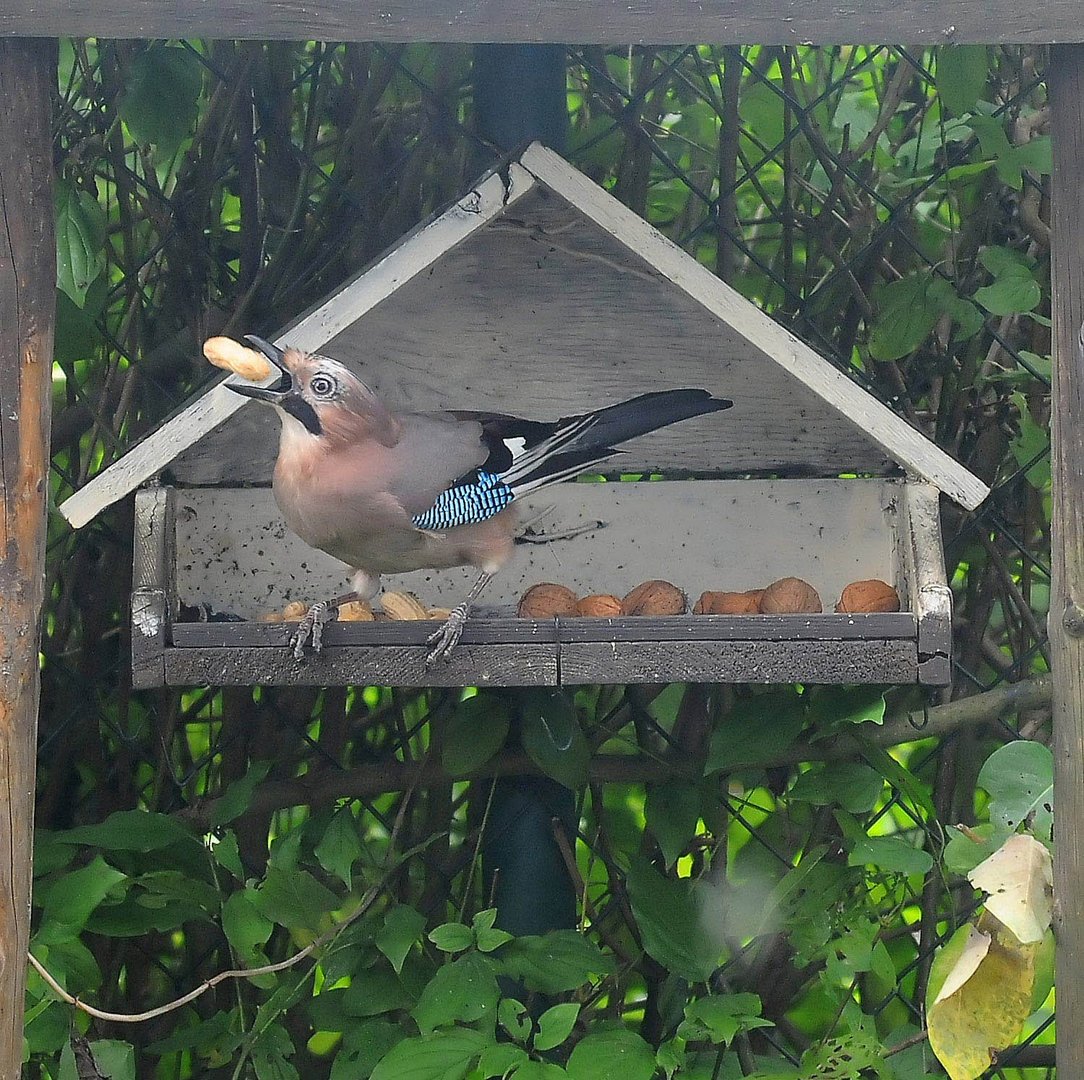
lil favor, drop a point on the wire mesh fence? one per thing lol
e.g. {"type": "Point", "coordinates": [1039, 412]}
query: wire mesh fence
{"type": "Point", "coordinates": [887, 206]}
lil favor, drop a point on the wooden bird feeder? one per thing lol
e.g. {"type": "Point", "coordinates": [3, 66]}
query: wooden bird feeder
{"type": "Point", "coordinates": [537, 293]}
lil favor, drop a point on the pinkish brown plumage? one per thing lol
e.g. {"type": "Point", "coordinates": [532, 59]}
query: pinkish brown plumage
{"type": "Point", "coordinates": [388, 493]}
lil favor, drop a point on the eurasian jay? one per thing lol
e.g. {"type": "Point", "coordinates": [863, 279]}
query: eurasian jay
{"type": "Point", "coordinates": [389, 492]}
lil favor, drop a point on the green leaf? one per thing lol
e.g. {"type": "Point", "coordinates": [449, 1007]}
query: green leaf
{"type": "Point", "coordinates": [234, 801]}
{"type": "Point", "coordinates": [80, 241]}
{"type": "Point", "coordinates": [1031, 447]}
{"type": "Point", "coordinates": [246, 929]}
{"type": "Point", "coordinates": [892, 853]}
{"type": "Point", "coordinates": [364, 1044]}
{"type": "Point", "coordinates": [161, 96]}
{"type": "Point", "coordinates": [500, 1059]}
{"type": "Point", "coordinates": [1019, 778]}
{"type": "Point", "coordinates": [552, 737]}
{"type": "Point", "coordinates": [452, 937]}
{"type": "Point", "coordinates": [476, 731]}
{"type": "Point", "coordinates": [371, 992]}
{"type": "Point", "coordinates": [68, 901]}
{"type": "Point", "coordinates": [340, 847]}
{"type": "Point", "coordinates": [965, 850]}
{"type": "Point", "coordinates": [555, 1025]}
{"type": "Point", "coordinates": [486, 938]}
{"type": "Point", "coordinates": [293, 898]}
{"type": "Point", "coordinates": [512, 1015]}
{"type": "Point", "coordinates": [757, 728]}
{"type": "Point", "coordinates": [540, 1070]}
{"type": "Point", "coordinates": [402, 928]}
{"type": "Point", "coordinates": [131, 830]}
{"type": "Point", "coordinates": [228, 855]}
{"type": "Point", "coordinates": [719, 1017]}
{"type": "Point", "coordinates": [962, 71]}
{"type": "Point", "coordinates": [850, 784]}
{"type": "Point", "coordinates": [554, 962]}
{"type": "Point", "coordinates": [669, 922]}
{"type": "Point", "coordinates": [466, 990]}
{"type": "Point", "coordinates": [115, 1059]}
{"type": "Point", "coordinates": [907, 311]}
{"type": "Point", "coordinates": [618, 1054]}
{"type": "Point", "coordinates": [1010, 295]}
{"type": "Point", "coordinates": [672, 811]}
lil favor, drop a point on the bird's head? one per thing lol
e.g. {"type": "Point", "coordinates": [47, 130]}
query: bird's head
{"type": "Point", "coordinates": [321, 395]}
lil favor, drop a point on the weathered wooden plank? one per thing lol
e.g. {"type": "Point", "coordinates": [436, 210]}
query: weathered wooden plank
{"type": "Point", "coordinates": [398, 665]}
{"type": "Point", "coordinates": [411, 256]}
{"type": "Point", "coordinates": [1066, 621]}
{"type": "Point", "coordinates": [932, 597]}
{"type": "Point", "coordinates": [566, 631]}
{"type": "Point", "coordinates": [895, 436]}
{"type": "Point", "coordinates": [152, 575]}
{"type": "Point", "coordinates": [656, 22]}
{"type": "Point", "coordinates": [572, 664]}
{"type": "Point", "coordinates": [236, 555]}
{"type": "Point", "coordinates": [847, 662]}
{"type": "Point", "coordinates": [27, 303]}
{"type": "Point", "coordinates": [531, 315]}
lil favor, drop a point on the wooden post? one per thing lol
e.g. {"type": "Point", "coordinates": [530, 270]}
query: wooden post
{"type": "Point", "coordinates": [27, 304]}
{"type": "Point", "coordinates": [1066, 621]}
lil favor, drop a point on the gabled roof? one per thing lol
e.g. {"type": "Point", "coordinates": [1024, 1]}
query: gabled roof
{"type": "Point", "coordinates": [808, 376]}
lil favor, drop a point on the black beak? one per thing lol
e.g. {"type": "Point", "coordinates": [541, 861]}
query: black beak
{"type": "Point", "coordinates": [277, 391]}
{"type": "Point", "coordinates": [282, 392]}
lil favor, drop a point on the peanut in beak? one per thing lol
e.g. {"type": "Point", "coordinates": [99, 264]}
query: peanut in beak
{"type": "Point", "coordinates": [231, 355]}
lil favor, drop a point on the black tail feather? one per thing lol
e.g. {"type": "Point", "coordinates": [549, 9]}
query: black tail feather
{"type": "Point", "coordinates": [559, 451]}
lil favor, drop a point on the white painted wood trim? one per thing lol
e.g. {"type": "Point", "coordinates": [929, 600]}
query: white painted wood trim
{"type": "Point", "coordinates": [415, 254]}
{"type": "Point", "coordinates": [895, 436]}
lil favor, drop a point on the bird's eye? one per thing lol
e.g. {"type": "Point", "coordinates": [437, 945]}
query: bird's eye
{"type": "Point", "coordinates": [322, 385]}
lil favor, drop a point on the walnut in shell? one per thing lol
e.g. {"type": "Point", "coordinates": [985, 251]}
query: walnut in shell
{"type": "Point", "coordinates": [601, 605]}
{"type": "Point", "coordinates": [654, 598]}
{"type": "Point", "coordinates": [789, 596]}
{"type": "Point", "coordinates": [545, 600]}
{"type": "Point", "coordinates": [728, 603]}
{"type": "Point", "coordinates": [871, 595]}
{"type": "Point", "coordinates": [355, 611]}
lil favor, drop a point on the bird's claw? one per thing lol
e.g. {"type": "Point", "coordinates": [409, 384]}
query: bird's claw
{"type": "Point", "coordinates": [311, 629]}
{"type": "Point", "coordinates": [444, 639]}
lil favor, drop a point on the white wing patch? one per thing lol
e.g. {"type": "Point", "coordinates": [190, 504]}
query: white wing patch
{"type": "Point", "coordinates": [515, 445]}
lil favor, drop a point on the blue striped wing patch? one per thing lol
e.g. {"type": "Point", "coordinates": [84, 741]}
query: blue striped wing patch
{"type": "Point", "coordinates": [467, 503]}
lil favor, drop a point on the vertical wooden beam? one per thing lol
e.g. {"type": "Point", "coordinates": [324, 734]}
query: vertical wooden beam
{"type": "Point", "coordinates": [1066, 621]}
{"type": "Point", "coordinates": [27, 304]}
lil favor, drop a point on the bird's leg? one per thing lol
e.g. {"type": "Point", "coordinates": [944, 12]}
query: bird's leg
{"type": "Point", "coordinates": [444, 639]}
{"type": "Point", "coordinates": [311, 628]}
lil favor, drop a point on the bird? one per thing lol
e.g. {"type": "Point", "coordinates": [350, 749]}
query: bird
{"type": "Point", "coordinates": [388, 492]}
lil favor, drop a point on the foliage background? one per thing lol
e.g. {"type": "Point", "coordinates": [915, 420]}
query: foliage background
{"type": "Point", "coordinates": [888, 206]}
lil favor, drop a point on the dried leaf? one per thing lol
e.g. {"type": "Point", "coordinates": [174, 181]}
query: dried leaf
{"type": "Point", "coordinates": [967, 963]}
{"type": "Point", "coordinates": [988, 1010]}
{"type": "Point", "coordinates": [1019, 878]}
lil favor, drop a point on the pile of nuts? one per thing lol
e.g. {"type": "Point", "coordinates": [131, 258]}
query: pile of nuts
{"type": "Point", "coordinates": [394, 606]}
{"type": "Point", "coordinates": [788, 596]}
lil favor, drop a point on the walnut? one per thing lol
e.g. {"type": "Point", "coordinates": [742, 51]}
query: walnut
{"type": "Point", "coordinates": [728, 603]}
{"type": "Point", "coordinates": [871, 595]}
{"type": "Point", "coordinates": [790, 595]}
{"type": "Point", "coordinates": [545, 600]}
{"type": "Point", "coordinates": [355, 611]}
{"type": "Point", "coordinates": [403, 605]}
{"type": "Point", "coordinates": [654, 598]}
{"type": "Point", "coordinates": [601, 606]}
{"type": "Point", "coordinates": [231, 355]}
{"type": "Point", "coordinates": [294, 611]}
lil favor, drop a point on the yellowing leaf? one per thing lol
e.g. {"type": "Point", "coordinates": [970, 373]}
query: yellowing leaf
{"type": "Point", "coordinates": [967, 963]}
{"type": "Point", "coordinates": [1019, 878]}
{"type": "Point", "coordinates": [987, 1012]}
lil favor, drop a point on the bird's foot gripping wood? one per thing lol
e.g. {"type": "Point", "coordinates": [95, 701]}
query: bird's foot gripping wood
{"type": "Point", "coordinates": [311, 628]}
{"type": "Point", "coordinates": [443, 640]}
